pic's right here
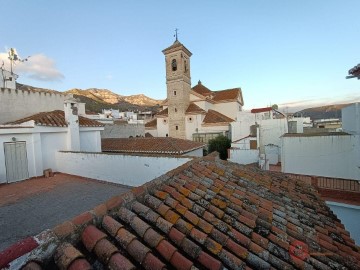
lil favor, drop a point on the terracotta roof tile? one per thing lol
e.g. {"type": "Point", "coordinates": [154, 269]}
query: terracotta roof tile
{"type": "Point", "coordinates": [194, 109]}
{"type": "Point", "coordinates": [154, 145]}
{"type": "Point", "coordinates": [260, 110]}
{"type": "Point", "coordinates": [55, 119]}
{"type": "Point", "coordinates": [212, 214]}
{"type": "Point", "coordinates": [218, 96]}
{"type": "Point", "coordinates": [214, 117]}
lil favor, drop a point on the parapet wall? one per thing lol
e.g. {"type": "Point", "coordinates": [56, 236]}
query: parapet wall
{"type": "Point", "coordinates": [17, 104]}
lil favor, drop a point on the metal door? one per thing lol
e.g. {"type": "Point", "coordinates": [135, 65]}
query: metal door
{"type": "Point", "coordinates": [16, 161]}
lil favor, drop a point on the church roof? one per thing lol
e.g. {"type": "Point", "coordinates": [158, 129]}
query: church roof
{"type": "Point", "coordinates": [193, 108]}
{"type": "Point", "coordinates": [154, 145]}
{"type": "Point", "coordinates": [206, 214]}
{"type": "Point", "coordinates": [214, 117]}
{"type": "Point", "coordinates": [233, 94]}
{"type": "Point", "coordinates": [151, 124]}
{"type": "Point", "coordinates": [164, 112]}
{"type": "Point", "coordinates": [228, 94]}
{"type": "Point", "coordinates": [177, 45]}
{"type": "Point", "coordinates": [201, 89]}
{"type": "Point", "coordinates": [55, 119]}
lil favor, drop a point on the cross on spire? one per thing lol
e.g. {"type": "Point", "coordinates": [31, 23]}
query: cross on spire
{"type": "Point", "coordinates": [176, 34]}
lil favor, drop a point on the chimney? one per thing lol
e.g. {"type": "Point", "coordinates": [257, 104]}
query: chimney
{"type": "Point", "coordinates": [72, 120]}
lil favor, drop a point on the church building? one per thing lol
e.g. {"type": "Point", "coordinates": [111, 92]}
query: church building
{"type": "Point", "coordinates": [193, 113]}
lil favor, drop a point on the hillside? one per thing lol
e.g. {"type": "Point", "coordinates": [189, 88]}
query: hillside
{"type": "Point", "coordinates": [105, 95]}
{"type": "Point", "coordinates": [323, 112]}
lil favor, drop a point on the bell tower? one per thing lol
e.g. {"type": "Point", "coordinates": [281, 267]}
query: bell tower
{"type": "Point", "coordinates": [178, 84]}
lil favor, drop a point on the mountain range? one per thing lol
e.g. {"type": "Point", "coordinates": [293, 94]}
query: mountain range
{"type": "Point", "coordinates": [98, 99]}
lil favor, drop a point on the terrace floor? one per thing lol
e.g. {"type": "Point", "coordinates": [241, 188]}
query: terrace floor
{"type": "Point", "coordinates": [31, 206]}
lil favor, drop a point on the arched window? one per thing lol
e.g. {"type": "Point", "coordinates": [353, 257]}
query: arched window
{"type": "Point", "coordinates": [177, 127]}
{"type": "Point", "coordinates": [174, 65]}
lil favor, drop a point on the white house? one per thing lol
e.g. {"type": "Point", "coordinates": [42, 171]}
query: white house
{"type": "Point", "coordinates": [28, 145]}
{"type": "Point", "coordinates": [334, 154]}
{"type": "Point", "coordinates": [260, 132]}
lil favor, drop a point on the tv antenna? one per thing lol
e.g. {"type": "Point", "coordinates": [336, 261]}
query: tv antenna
{"type": "Point", "coordinates": [14, 57]}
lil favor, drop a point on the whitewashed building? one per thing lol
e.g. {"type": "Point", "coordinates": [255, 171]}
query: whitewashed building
{"type": "Point", "coordinates": [28, 145]}
{"type": "Point", "coordinates": [7, 79]}
{"type": "Point", "coordinates": [334, 154]}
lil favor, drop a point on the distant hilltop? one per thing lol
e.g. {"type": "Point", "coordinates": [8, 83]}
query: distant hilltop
{"type": "Point", "coordinates": [322, 112]}
{"type": "Point", "coordinates": [98, 99]}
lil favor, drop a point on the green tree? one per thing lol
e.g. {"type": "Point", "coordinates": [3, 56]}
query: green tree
{"type": "Point", "coordinates": [220, 144]}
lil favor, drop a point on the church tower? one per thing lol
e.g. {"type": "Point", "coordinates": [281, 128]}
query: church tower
{"type": "Point", "coordinates": [178, 83]}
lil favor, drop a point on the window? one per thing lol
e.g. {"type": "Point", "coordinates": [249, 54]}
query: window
{"type": "Point", "coordinates": [253, 144]}
{"type": "Point", "coordinates": [173, 65]}
{"type": "Point", "coordinates": [167, 135]}
{"type": "Point", "coordinates": [164, 121]}
{"type": "Point", "coordinates": [177, 127]}
{"type": "Point", "coordinates": [185, 67]}
{"type": "Point", "coordinates": [190, 119]}
{"type": "Point", "coordinates": [175, 110]}
{"type": "Point", "coordinates": [175, 93]}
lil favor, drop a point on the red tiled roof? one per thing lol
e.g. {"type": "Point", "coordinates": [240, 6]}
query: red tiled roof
{"type": "Point", "coordinates": [206, 214]}
{"type": "Point", "coordinates": [55, 119]}
{"type": "Point", "coordinates": [201, 89]}
{"type": "Point", "coordinates": [164, 112]}
{"type": "Point", "coordinates": [214, 117]}
{"type": "Point", "coordinates": [151, 124]}
{"type": "Point", "coordinates": [222, 95]}
{"type": "Point", "coordinates": [193, 108]}
{"type": "Point", "coordinates": [260, 110]}
{"type": "Point", "coordinates": [228, 94]}
{"type": "Point", "coordinates": [155, 145]}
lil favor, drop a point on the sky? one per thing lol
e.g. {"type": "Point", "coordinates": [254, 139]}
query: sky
{"type": "Point", "coordinates": [290, 53]}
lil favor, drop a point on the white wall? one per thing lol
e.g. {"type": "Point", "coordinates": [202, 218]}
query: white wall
{"type": "Point", "coordinates": [123, 131]}
{"type": "Point", "coordinates": [331, 156]}
{"type": "Point", "coordinates": [162, 128]}
{"type": "Point", "coordinates": [195, 153]}
{"type": "Point", "coordinates": [350, 217]}
{"type": "Point", "coordinates": [243, 156]}
{"type": "Point", "coordinates": [229, 109]}
{"type": "Point", "coordinates": [50, 144]}
{"type": "Point", "coordinates": [90, 140]}
{"type": "Point", "coordinates": [116, 168]}
{"type": "Point", "coordinates": [7, 80]}
{"type": "Point", "coordinates": [191, 126]}
{"type": "Point", "coordinates": [271, 130]}
{"type": "Point", "coordinates": [272, 153]}
{"type": "Point", "coordinates": [351, 119]}
{"type": "Point", "coordinates": [17, 104]}
{"type": "Point", "coordinates": [241, 128]}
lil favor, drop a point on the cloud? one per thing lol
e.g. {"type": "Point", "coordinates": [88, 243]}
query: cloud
{"type": "Point", "coordinates": [109, 77]}
{"type": "Point", "coordinates": [38, 67]}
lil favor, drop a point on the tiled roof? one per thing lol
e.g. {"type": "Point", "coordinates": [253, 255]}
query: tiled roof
{"type": "Point", "coordinates": [228, 94]}
{"type": "Point", "coordinates": [201, 89]}
{"type": "Point", "coordinates": [55, 119]}
{"type": "Point", "coordinates": [148, 135]}
{"type": "Point", "coordinates": [164, 112]}
{"type": "Point", "coordinates": [193, 108]}
{"type": "Point", "coordinates": [260, 110]}
{"type": "Point", "coordinates": [221, 95]}
{"type": "Point", "coordinates": [155, 145]}
{"type": "Point", "coordinates": [151, 124]}
{"type": "Point", "coordinates": [214, 117]}
{"type": "Point", "coordinates": [206, 214]}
